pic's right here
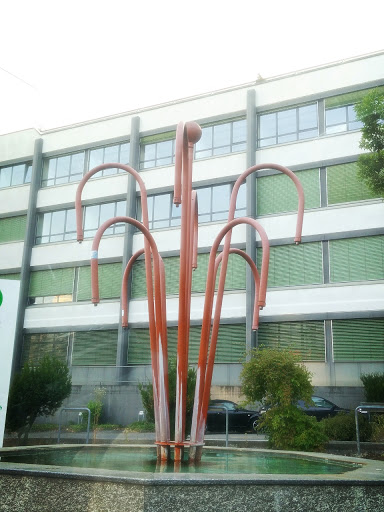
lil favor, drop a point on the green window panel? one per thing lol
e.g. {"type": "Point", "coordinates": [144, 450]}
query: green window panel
{"type": "Point", "coordinates": [58, 281]}
{"type": "Point", "coordinates": [277, 193]}
{"type": "Point", "coordinates": [13, 228]}
{"type": "Point", "coordinates": [230, 344]}
{"type": "Point", "coordinates": [95, 348]}
{"type": "Point", "coordinates": [344, 186]}
{"type": "Point", "coordinates": [357, 259]}
{"type": "Point", "coordinates": [110, 280]}
{"type": "Point", "coordinates": [294, 265]}
{"type": "Point", "coordinates": [235, 279]}
{"type": "Point", "coordinates": [305, 338]}
{"type": "Point", "coordinates": [348, 98]}
{"type": "Point", "coordinates": [11, 277]}
{"type": "Point", "coordinates": [36, 346]}
{"type": "Point", "coordinates": [358, 339]}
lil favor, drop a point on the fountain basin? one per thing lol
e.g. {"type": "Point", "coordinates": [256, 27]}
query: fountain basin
{"type": "Point", "coordinates": [348, 484]}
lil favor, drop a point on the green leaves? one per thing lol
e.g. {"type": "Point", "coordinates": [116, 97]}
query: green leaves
{"type": "Point", "coordinates": [37, 391]}
{"type": "Point", "coordinates": [370, 110]}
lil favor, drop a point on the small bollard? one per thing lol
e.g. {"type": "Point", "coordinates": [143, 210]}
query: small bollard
{"type": "Point", "coordinates": [80, 418]}
{"type": "Point", "coordinates": [141, 416]}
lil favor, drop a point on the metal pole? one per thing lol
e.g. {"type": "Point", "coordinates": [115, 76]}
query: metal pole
{"type": "Point", "coordinates": [226, 428]}
{"type": "Point", "coordinates": [357, 410]}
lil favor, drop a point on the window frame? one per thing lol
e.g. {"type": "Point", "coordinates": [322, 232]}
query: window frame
{"type": "Point", "coordinates": [26, 174]}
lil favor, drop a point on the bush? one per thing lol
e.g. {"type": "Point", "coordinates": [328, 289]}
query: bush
{"type": "Point", "coordinates": [37, 391]}
{"type": "Point", "coordinates": [290, 429]}
{"type": "Point", "coordinates": [342, 427]}
{"type": "Point", "coordinates": [278, 379]}
{"type": "Point", "coordinates": [378, 428]}
{"type": "Point", "coordinates": [140, 426]}
{"type": "Point", "coordinates": [373, 387]}
{"type": "Point", "coordinates": [146, 391]}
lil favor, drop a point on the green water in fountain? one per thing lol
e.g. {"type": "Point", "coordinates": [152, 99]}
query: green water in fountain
{"type": "Point", "coordinates": [144, 461]}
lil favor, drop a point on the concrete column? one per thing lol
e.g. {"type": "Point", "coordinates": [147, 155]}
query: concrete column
{"type": "Point", "coordinates": [251, 336]}
{"type": "Point", "coordinates": [29, 241]}
{"type": "Point", "coordinates": [134, 160]}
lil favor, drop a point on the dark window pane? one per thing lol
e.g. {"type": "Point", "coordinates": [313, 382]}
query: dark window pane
{"type": "Point", "coordinates": [77, 164]}
{"type": "Point", "coordinates": [28, 174]}
{"type": "Point", "coordinates": [96, 157]}
{"type": "Point", "coordinates": [335, 116]}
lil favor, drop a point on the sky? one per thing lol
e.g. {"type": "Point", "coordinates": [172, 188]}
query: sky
{"type": "Point", "coordinates": [68, 62]}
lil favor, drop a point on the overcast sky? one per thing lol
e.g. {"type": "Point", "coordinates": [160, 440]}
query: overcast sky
{"type": "Point", "coordinates": [66, 62]}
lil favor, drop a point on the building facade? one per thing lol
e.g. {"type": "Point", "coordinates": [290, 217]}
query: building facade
{"type": "Point", "coordinates": [325, 297]}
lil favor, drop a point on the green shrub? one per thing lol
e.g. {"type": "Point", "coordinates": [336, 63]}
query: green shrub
{"type": "Point", "coordinates": [140, 426]}
{"type": "Point", "coordinates": [373, 386]}
{"type": "Point", "coordinates": [279, 379]}
{"type": "Point", "coordinates": [342, 427]}
{"type": "Point", "coordinates": [378, 428]}
{"type": "Point", "coordinates": [290, 429]}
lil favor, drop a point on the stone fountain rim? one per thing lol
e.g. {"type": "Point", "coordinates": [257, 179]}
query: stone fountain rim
{"type": "Point", "coordinates": [369, 472]}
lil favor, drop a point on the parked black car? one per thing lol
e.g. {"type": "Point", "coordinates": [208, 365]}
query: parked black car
{"type": "Point", "coordinates": [239, 420]}
{"type": "Point", "coordinates": [320, 408]}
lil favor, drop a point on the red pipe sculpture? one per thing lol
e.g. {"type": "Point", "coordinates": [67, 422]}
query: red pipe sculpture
{"type": "Point", "coordinates": [187, 135]}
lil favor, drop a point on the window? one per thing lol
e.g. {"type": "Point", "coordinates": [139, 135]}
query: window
{"type": "Point", "coordinates": [221, 139]}
{"type": "Point", "coordinates": [157, 150]}
{"type": "Point", "coordinates": [63, 169]}
{"type": "Point", "coordinates": [13, 175]}
{"type": "Point", "coordinates": [235, 279]}
{"type": "Point", "coordinates": [304, 338]}
{"type": "Point", "coordinates": [51, 286]}
{"type": "Point", "coordinates": [288, 125]}
{"type": "Point", "coordinates": [294, 265]}
{"type": "Point", "coordinates": [358, 340]}
{"type": "Point", "coordinates": [61, 225]}
{"type": "Point", "coordinates": [341, 119]}
{"type": "Point", "coordinates": [357, 259]}
{"type": "Point", "coordinates": [213, 205]}
{"type": "Point", "coordinates": [12, 229]}
{"type": "Point", "coordinates": [277, 193]}
{"type": "Point", "coordinates": [116, 153]}
{"type": "Point", "coordinates": [343, 184]}
{"type": "Point", "coordinates": [110, 281]}
{"type": "Point", "coordinates": [230, 344]}
{"type": "Point", "coordinates": [340, 113]}
{"type": "Point", "coordinates": [94, 348]}
{"type": "Point", "coordinates": [72, 167]}
{"type": "Point", "coordinates": [36, 346]}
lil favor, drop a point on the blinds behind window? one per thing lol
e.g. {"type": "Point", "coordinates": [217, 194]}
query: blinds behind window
{"type": "Point", "coordinates": [349, 98]}
{"type": "Point", "coordinates": [357, 259]}
{"type": "Point", "coordinates": [13, 228]}
{"type": "Point", "coordinates": [305, 338]}
{"type": "Point", "coordinates": [294, 265]}
{"type": "Point", "coordinates": [58, 281]}
{"type": "Point", "coordinates": [36, 346]}
{"type": "Point", "coordinates": [95, 348]}
{"type": "Point", "coordinates": [110, 279]}
{"type": "Point", "coordinates": [277, 193]}
{"type": "Point", "coordinates": [358, 339]}
{"type": "Point", "coordinates": [344, 186]}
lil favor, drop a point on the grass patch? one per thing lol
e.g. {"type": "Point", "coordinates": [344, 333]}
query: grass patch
{"type": "Point", "coordinates": [140, 426]}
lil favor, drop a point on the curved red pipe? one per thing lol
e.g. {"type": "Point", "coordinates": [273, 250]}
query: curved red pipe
{"type": "Point", "coordinates": [158, 370]}
{"type": "Point", "coordinates": [256, 277]}
{"type": "Point", "coordinates": [124, 287]}
{"type": "Point", "coordinates": [203, 381]}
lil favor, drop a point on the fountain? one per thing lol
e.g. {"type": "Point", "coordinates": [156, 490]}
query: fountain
{"type": "Point", "coordinates": [87, 478]}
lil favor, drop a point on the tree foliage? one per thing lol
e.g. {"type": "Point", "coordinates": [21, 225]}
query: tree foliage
{"type": "Point", "coordinates": [370, 111]}
{"type": "Point", "coordinates": [146, 391]}
{"type": "Point", "coordinates": [276, 378]}
{"type": "Point", "coordinates": [373, 386]}
{"type": "Point", "coordinates": [37, 391]}
{"type": "Point", "coordinates": [279, 379]}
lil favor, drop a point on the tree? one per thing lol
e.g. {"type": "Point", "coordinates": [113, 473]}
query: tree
{"type": "Point", "coordinates": [37, 391]}
{"type": "Point", "coordinates": [370, 111]}
{"type": "Point", "coordinates": [146, 391]}
{"type": "Point", "coordinates": [278, 379]}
